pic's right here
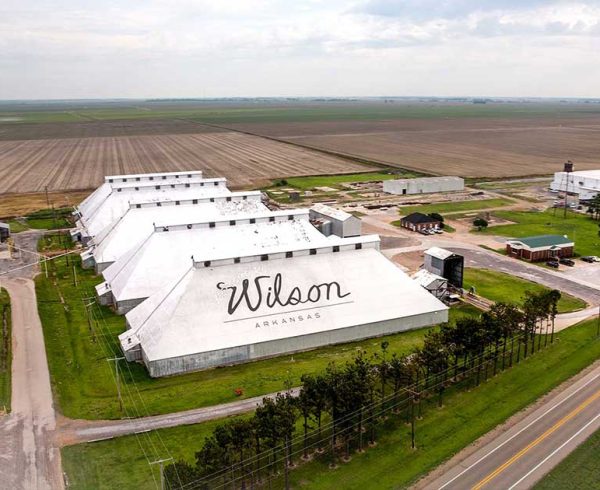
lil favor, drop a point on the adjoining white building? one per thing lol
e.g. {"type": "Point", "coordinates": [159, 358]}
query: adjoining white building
{"type": "Point", "coordinates": [332, 221]}
{"type": "Point", "coordinates": [423, 185]}
{"type": "Point", "coordinates": [584, 183]}
{"type": "Point", "coordinates": [140, 219]}
{"type": "Point", "coordinates": [167, 253]}
{"type": "Point", "coordinates": [241, 308]}
{"type": "Point", "coordinates": [113, 181]}
{"type": "Point", "coordinates": [107, 209]}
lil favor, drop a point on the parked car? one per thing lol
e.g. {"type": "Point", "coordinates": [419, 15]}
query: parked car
{"type": "Point", "coordinates": [423, 232]}
{"type": "Point", "coordinates": [437, 230]}
{"type": "Point", "coordinates": [568, 262]}
{"type": "Point", "coordinates": [590, 259]}
{"type": "Point", "coordinates": [552, 263]}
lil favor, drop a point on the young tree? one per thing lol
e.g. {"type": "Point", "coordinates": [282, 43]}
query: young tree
{"type": "Point", "coordinates": [179, 474]}
{"type": "Point", "coordinates": [480, 223]}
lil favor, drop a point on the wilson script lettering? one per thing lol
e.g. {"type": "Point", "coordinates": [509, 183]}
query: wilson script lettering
{"type": "Point", "coordinates": [270, 291]}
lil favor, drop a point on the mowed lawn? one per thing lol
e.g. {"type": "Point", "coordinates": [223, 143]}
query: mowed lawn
{"type": "Point", "coordinates": [5, 350]}
{"type": "Point", "coordinates": [83, 380]}
{"type": "Point", "coordinates": [392, 463]}
{"type": "Point", "coordinates": [501, 287]}
{"type": "Point", "coordinates": [455, 207]}
{"type": "Point", "coordinates": [580, 469]}
{"type": "Point", "coordinates": [579, 227]}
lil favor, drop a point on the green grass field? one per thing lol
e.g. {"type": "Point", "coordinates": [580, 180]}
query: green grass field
{"type": "Point", "coordinates": [17, 226]}
{"type": "Point", "coordinates": [391, 464]}
{"type": "Point", "coordinates": [444, 208]}
{"type": "Point", "coordinates": [579, 227]}
{"type": "Point", "coordinates": [51, 242]}
{"type": "Point", "coordinates": [498, 286]}
{"type": "Point", "coordinates": [580, 469]}
{"type": "Point", "coordinates": [83, 382]}
{"type": "Point", "coordinates": [277, 111]}
{"type": "Point", "coordinates": [5, 350]}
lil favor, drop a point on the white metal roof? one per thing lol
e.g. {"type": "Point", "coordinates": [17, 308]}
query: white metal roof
{"type": "Point", "coordinates": [425, 278]}
{"type": "Point", "coordinates": [164, 256]}
{"type": "Point", "coordinates": [138, 223]}
{"type": "Point", "coordinates": [440, 253]}
{"type": "Point", "coordinates": [159, 175]}
{"type": "Point", "coordinates": [117, 202]}
{"type": "Point", "coordinates": [358, 287]}
{"type": "Point", "coordinates": [332, 212]}
{"type": "Point", "coordinates": [90, 203]}
{"type": "Point", "coordinates": [445, 178]}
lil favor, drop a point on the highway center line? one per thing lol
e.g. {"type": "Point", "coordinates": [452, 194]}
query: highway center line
{"type": "Point", "coordinates": [520, 431]}
{"type": "Point", "coordinates": [556, 450]}
{"type": "Point", "coordinates": [539, 439]}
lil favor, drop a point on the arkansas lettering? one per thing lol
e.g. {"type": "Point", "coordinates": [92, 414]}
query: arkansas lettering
{"type": "Point", "coordinates": [268, 290]}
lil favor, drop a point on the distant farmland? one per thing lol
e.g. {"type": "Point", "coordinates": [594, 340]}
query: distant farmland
{"type": "Point", "coordinates": [471, 147]}
{"type": "Point", "coordinates": [81, 163]}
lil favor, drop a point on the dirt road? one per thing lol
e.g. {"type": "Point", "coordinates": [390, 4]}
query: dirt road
{"type": "Point", "coordinates": [29, 458]}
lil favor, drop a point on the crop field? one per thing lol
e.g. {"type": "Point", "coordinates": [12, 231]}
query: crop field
{"type": "Point", "coordinates": [81, 163]}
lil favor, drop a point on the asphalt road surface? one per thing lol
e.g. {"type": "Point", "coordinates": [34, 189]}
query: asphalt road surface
{"type": "Point", "coordinates": [522, 455]}
{"type": "Point", "coordinates": [29, 458]}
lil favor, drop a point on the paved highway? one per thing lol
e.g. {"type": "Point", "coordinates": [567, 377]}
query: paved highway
{"type": "Point", "coordinates": [522, 455]}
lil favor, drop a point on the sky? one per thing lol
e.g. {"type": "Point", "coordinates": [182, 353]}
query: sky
{"type": "Point", "coordinates": [254, 48]}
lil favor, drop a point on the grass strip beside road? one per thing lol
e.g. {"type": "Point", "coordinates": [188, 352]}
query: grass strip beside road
{"type": "Point", "coordinates": [579, 227]}
{"type": "Point", "coordinates": [498, 286]}
{"type": "Point", "coordinates": [444, 208]}
{"type": "Point", "coordinates": [83, 382]}
{"type": "Point", "coordinates": [580, 469]}
{"type": "Point", "coordinates": [334, 181]}
{"type": "Point", "coordinates": [392, 463]}
{"type": "Point", "coordinates": [5, 351]}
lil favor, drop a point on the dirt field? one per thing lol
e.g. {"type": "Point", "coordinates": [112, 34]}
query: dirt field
{"type": "Point", "coordinates": [475, 147]}
{"type": "Point", "coordinates": [81, 163]}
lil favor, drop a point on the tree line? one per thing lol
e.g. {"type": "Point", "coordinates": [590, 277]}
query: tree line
{"type": "Point", "coordinates": [340, 410]}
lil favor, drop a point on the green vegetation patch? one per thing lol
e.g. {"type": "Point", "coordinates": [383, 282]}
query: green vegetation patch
{"type": "Point", "coordinates": [50, 219]}
{"type": "Point", "coordinates": [5, 350]}
{"type": "Point", "coordinates": [392, 463]}
{"type": "Point", "coordinates": [501, 287]}
{"type": "Point", "coordinates": [83, 380]}
{"type": "Point", "coordinates": [52, 242]}
{"type": "Point", "coordinates": [17, 226]}
{"type": "Point", "coordinates": [579, 227]}
{"type": "Point", "coordinates": [455, 207]}
{"type": "Point", "coordinates": [580, 469]}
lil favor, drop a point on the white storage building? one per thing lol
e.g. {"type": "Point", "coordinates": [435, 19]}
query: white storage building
{"type": "Point", "coordinates": [107, 209]}
{"type": "Point", "coordinates": [165, 255]}
{"type": "Point", "coordinates": [237, 309]}
{"type": "Point", "coordinates": [423, 185]}
{"type": "Point", "coordinates": [584, 183]}
{"type": "Point", "coordinates": [335, 221]}
{"type": "Point", "coordinates": [140, 219]}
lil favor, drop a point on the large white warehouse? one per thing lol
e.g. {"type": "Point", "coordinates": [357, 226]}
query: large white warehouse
{"type": "Point", "coordinates": [165, 255]}
{"type": "Point", "coordinates": [584, 183]}
{"type": "Point", "coordinates": [106, 209]}
{"type": "Point", "coordinates": [423, 185]}
{"type": "Point", "coordinates": [239, 309]}
{"type": "Point", "coordinates": [141, 218]}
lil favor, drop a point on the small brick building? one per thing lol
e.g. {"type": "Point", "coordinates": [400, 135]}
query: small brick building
{"type": "Point", "coordinates": [419, 221]}
{"type": "Point", "coordinates": [541, 247]}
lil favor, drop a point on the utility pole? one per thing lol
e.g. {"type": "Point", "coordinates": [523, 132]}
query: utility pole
{"type": "Point", "coordinates": [161, 462]}
{"type": "Point", "coordinates": [90, 302]}
{"type": "Point", "coordinates": [117, 359]}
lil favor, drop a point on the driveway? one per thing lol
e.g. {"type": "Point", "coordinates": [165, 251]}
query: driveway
{"type": "Point", "coordinates": [29, 458]}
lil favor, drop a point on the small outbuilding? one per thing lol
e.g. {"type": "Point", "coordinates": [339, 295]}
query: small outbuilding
{"type": "Point", "coordinates": [4, 232]}
{"type": "Point", "coordinates": [420, 222]}
{"type": "Point", "coordinates": [540, 247]}
{"type": "Point", "coordinates": [423, 185]}
{"type": "Point", "coordinates": [434, 284]}
{"type": "Point", "coordinates": [331, 221]}
{"type": "Point", "coordinates": [446, 264]}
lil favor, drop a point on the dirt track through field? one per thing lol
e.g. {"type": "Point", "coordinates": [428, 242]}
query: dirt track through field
{"type": "Point", "coordinates": [80, 163]}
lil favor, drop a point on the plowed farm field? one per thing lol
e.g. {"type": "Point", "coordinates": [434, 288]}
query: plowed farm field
{"type": "Point", "coordinates": [467, 147]}
{"type": "Point", "coordinates": [81, 163]}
